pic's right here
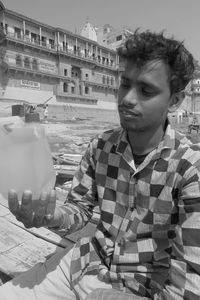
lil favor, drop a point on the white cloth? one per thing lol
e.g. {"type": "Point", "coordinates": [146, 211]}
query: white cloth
{"type": "Point", "coordinates": [50, 281]}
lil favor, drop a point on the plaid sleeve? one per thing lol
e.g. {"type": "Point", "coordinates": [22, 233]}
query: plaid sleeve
{"type": "Point", "coordinates": [184, 276]}
{"type": "Point", "coordinates": [82, 196]}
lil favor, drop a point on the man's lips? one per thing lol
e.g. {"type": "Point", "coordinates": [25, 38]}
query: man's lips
{"type": "Point", "coordinates": [128, 112]}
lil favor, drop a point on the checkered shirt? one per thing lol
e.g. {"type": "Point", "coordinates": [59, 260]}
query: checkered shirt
{"type": "Point", "coordinates": [147, 241]}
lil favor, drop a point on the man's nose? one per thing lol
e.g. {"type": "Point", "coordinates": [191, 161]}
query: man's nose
{"type": "Point", "coordinates": [130, 97]}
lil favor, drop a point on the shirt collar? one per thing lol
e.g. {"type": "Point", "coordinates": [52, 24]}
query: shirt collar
{"type": "Point", "coordinates": [167, 142]}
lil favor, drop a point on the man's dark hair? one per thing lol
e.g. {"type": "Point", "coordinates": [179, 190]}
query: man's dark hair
{"type": "Point", "coordinates": [143, 47]}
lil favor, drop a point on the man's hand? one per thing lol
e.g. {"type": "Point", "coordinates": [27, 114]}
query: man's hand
{"type": "Point", "coordinates": [35, 213]}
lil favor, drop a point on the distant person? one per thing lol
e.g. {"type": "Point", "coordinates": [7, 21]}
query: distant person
{"type": "Point", "coordinates": [32, 109]}
{"type": "Point", "coordinates": [45, 112]}
{"type": "Point", "coordinates": [145, 177]}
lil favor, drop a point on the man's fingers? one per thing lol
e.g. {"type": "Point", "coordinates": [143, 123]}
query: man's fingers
{"type": "Point", "coordinates": [13, 203]}
{"type": "Point", "coordinates": [50, 209]}
{"type": "Point", "coordinates": [26, 209]}
{"type": "Point", "coordinates": [26, 204]}
{"type": "Point", "coordinates": [33, 212]}
{"type": "Point", "coordinates": [40, 210]}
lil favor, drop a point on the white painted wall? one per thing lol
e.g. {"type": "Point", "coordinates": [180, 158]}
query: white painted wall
{"type": "Point", "coordinates": [23, 94]}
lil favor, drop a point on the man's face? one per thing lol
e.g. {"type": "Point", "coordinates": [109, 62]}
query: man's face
{"type": "Point", "coordinates": [144, 96]}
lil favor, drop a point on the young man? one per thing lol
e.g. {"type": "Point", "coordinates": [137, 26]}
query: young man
{"type": "Point", "coordinates": [145, 178]}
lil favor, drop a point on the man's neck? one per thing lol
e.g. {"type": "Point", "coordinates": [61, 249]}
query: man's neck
{"type": "Point", "coordinates": [144, 142]}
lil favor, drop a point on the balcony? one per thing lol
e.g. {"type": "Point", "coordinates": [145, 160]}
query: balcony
{"type": "Point", "coordinates": [30, 69]}
{"type": "Point", "coordinates": [101, 85]}
{"type": "Point", "coordinates": [39, 44]}
{"type": "Point", "coordinates": [76, 55]}
{"type": "Point", "coordinates": [33, 42]}
{"type": "Point", "coordinates": [89, 58]}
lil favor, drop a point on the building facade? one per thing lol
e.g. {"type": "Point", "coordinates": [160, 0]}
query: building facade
{"type": "Point", "coordinates": [111, 37]}
{"type": "Point", "coordinates": [41, 63]}
{"type": "Point", "coordinates": [195, 94]}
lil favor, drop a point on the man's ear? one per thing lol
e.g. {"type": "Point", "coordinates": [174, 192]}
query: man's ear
{"type": "Point", "coordinates": [175, 101]}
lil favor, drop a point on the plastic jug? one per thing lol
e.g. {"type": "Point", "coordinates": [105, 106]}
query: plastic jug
{"type": "Point", "coordinates": [25, 158]}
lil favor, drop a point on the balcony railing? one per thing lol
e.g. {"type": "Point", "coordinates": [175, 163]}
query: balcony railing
{"type": "Point", "coordinates": [88, 57]}
{"type": "Point", "coordinates": [102, 85]}
{"type": "Point", "coordinates": [29, 40]}
{"type": "Point", "coordinates": [30, 69]}
{"type": "Point", "coordinates": [74, 53]}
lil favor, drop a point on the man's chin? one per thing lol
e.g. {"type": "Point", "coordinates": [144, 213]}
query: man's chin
{"type": "Point", "coordinates": [128, 127]}
{"type": "Point", "coordinates": [132, 128]}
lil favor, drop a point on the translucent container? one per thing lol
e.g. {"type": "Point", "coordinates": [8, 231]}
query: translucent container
{"type": "Point", "coordinates": [25, 158]}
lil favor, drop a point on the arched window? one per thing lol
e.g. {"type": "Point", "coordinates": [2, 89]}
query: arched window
{"type": "Point", "coordinates": [65, 87]}
{"type": "Point", "coordinates": [18, 60]}
{"type": "Point", "coordinates": [35, 64]}
{"type": "Point", "coordinates": [27, 63]}
{"type": "Point", "coordinates": [86, 90]}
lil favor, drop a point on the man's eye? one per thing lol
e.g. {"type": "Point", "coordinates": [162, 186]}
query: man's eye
{"type": "Point", "coordinates": [147, 92]}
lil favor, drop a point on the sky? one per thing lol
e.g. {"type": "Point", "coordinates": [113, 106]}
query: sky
{"type": "Point", "coordinates": [179, 18]}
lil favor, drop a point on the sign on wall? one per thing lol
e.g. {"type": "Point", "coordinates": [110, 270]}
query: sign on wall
{"type": "Point", "coordinates": [47, 67]}
{"type": "Point", "coordinates": [30, 84]}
